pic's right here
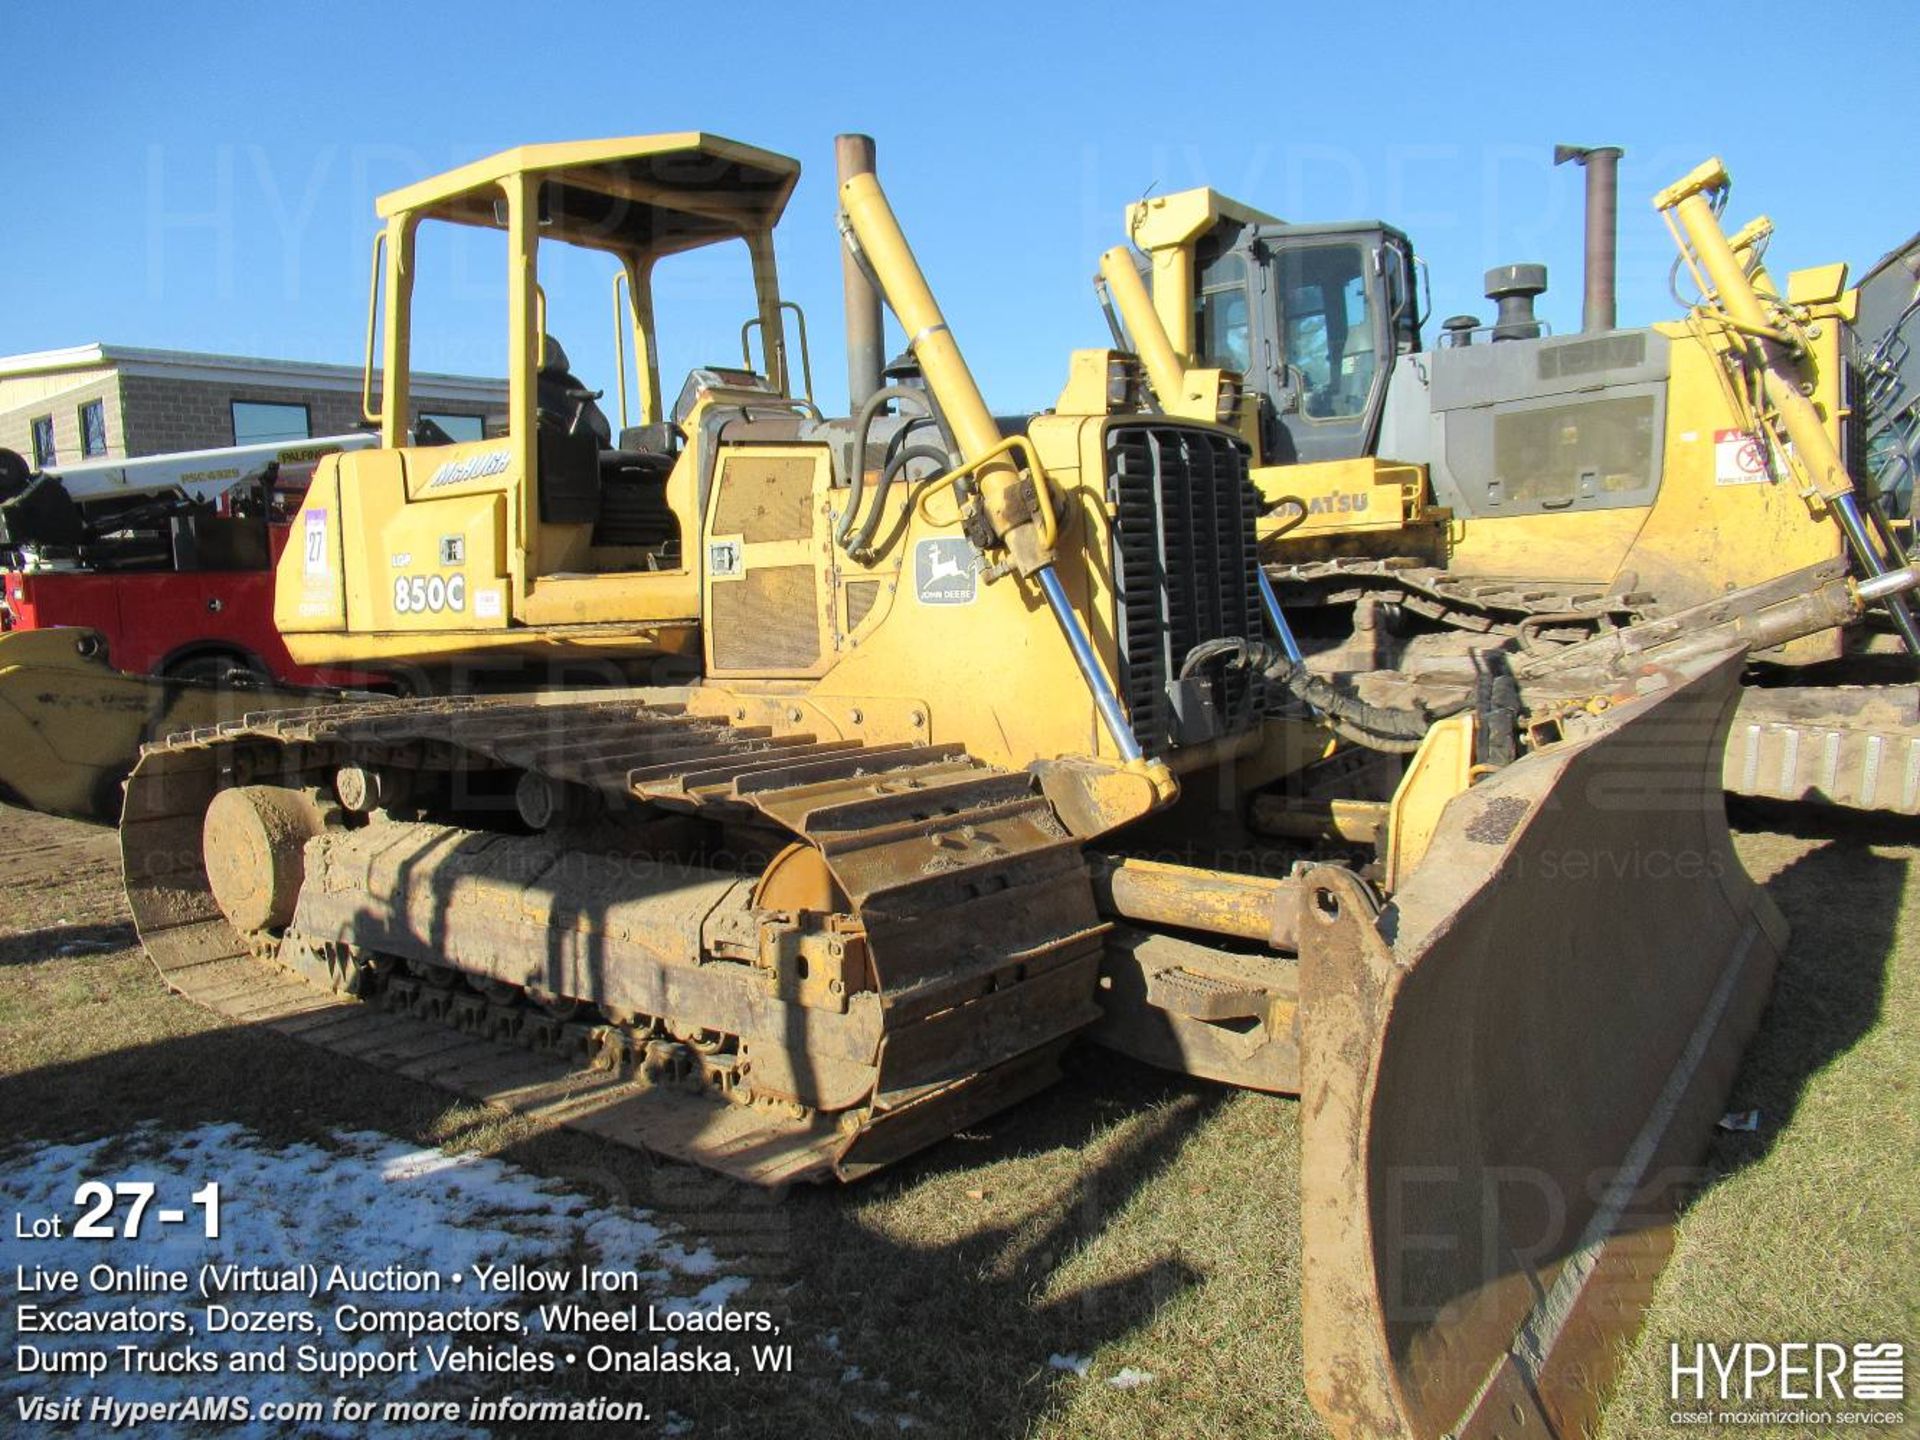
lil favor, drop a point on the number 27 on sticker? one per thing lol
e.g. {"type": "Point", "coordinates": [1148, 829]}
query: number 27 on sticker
{"type": "Point", "coordinates": [316, 538]}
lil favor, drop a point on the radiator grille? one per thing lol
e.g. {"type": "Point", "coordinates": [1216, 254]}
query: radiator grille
{"type": "Point", "coordinates": [768, 619]}
{"type": "Point", "coordinates": [1184, 566]}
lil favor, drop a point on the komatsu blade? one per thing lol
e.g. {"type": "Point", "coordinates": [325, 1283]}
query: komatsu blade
{"type": "Point", "coordinates": [1511, 1072]}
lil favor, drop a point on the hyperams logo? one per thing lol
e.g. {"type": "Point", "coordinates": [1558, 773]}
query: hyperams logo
{"type": "Point", "coordinates": [1757, 1383]}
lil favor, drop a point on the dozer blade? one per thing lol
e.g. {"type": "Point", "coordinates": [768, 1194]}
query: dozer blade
{"type": "Point", "coordinates": [71, 726]}
{"type": "Point", "coordinates": [1511, 1071]}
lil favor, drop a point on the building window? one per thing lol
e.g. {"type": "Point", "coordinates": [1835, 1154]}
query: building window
{"type": "Point", "coordinates": [457, 427]}
{"type": "Point", "coordinates": [93, 428]}
{"type": "Point", "coordinates": [43, 452]}
{"type": "Point", "coordinates": [257, 422]}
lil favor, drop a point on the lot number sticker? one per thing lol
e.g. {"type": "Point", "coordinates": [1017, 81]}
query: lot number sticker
{"type": "Point", "coordinates": [316, 537]}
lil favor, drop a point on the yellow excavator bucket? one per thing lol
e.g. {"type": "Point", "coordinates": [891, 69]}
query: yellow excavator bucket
{"type": "Point", "coordinates": [1510, 1071]}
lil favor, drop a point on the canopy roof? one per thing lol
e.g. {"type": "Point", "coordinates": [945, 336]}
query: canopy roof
{"type": "Point", "coordinates": [650, 193]}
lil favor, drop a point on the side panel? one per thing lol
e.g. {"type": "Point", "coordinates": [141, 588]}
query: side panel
{"type": "Point", "coordinates": [368, 558]}
{"type": "Point", "coordinates": [434, 533]}
{"type": "Point", "coordinates": [921, 644]}
{"type": "Point", "coordinates": [1714, 521]}
{"type": "Point", "coordinates": [768, 562]}
{"type": "Point", "coordinates": [1721, 522]}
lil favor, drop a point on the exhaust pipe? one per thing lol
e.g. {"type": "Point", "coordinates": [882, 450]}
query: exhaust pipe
{"type": "Point", "coordinates": [853, 155]}
{"type": "Point", "coordinates": [1602, 164]}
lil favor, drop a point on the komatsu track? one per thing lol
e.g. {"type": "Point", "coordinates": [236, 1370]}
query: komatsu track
{"type": "Point", "coordinates": [778, 957]}
{"type": "Point", "coordinates": [1550, 611]}
{"type": "Point", "coordinates": [1853, 746]}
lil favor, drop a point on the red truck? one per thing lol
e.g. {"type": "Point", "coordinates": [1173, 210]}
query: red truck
{"type": "Point", "coordinates": [170, 558]}
{"type": "Point", "coordinates": [187, 625]}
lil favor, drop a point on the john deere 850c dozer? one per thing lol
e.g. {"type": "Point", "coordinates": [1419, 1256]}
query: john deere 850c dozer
{"type": "Point", "coordinates": [1512, 491]}
{"type": "Point", "coordinates": [953, 767]}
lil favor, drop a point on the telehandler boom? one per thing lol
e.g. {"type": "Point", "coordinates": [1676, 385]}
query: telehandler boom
{"type": "Point", "coordinates": [940, 744]}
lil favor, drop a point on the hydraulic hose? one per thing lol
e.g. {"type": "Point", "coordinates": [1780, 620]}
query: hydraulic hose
{"type": "Point", "coordinates": [863, 549]}
{"type": "Point", "coordinates": [857, 480]}
{"type": "Point", "coordinates": [1377, 727]}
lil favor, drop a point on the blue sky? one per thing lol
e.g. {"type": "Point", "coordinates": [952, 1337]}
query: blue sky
{"type": "Point", "coordinates": [201, 176]}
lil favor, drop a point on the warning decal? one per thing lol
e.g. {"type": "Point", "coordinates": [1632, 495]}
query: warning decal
{"type": "Point", "coordinates": [1739, 458]}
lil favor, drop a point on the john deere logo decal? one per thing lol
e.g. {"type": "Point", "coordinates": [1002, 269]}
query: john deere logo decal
{"type": "Point", "coordinates": [945, 572]}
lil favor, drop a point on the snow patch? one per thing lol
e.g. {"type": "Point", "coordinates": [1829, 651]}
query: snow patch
{"type": "Point", "coordinates": [368, 1203]}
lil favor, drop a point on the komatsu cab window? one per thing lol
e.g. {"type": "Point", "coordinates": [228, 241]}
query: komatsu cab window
{"type": "Point", "coordinates": [1222, 319]}
{"type": "Point", "coordinates": [1329, 328]}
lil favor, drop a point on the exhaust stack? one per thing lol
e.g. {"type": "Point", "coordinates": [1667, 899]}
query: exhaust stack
{"type": "Point", "coordinates": [854, 155]}
{"type": "Point", "coordinates": [1602, 165]}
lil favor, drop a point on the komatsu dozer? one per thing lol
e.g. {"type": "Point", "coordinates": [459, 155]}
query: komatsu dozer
{"type": "Point", "coordinates": [941, 742]}
{"type": "Point", "coordinates": [1512, 490]}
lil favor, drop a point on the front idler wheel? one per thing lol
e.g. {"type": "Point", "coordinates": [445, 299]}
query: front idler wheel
{"type": "Point", "coordinates": [254, 840]}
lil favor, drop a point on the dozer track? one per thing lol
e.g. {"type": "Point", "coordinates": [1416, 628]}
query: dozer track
{"type": "Point", "coordinates": [1552, 611]}
{"type": "Point", "coordinates": [1852, 746]}
{"type": "Point", "coordinates": [918, 950]}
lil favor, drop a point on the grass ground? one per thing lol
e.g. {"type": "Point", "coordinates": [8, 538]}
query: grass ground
{"type": "Point", "coordinates": [1125, 1216]}
{"type": "Point", "coordinates": [1807, 1231]}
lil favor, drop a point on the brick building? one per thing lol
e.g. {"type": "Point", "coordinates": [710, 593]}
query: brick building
{"type": "Point", "coordinates": [117, 401]}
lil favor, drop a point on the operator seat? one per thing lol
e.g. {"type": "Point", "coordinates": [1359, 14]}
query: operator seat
{"type": "Point", "coordinates": [572, 433]}
{"type": "Point", "coordinates": [558, 393]}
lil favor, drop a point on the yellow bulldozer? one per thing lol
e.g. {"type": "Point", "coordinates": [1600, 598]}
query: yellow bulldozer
{"type": "Point", "coordinates": [1510, 491]}
{"type": "Point", "coordinates": [937, 742]}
